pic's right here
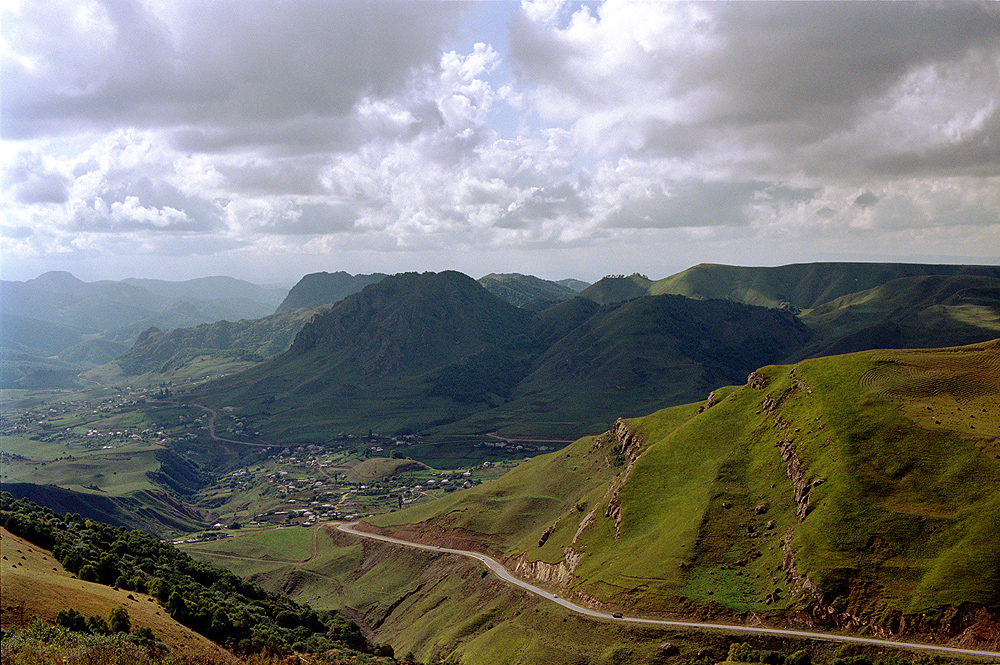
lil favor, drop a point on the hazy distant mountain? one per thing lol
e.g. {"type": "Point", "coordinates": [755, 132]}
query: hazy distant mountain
{"type": "Point", "coordinates": [324, 288]}
{"type": "Point", "coordinates": [574, 284]}
{"type": "Point", "coordinates": [56, 312]}
{"type": "Point", "coordinates": [216, 288]}
{"type": "Point", "coordinates": [518, 289]}
{"type": "Point", "coordinates": [256, 338]}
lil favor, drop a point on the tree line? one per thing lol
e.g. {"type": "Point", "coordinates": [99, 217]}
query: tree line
{"type": "Point", "coordinates": [211, 601]}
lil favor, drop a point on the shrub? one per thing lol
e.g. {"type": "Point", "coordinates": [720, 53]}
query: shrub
{"type": "Point", "coordinates": [119, 620]}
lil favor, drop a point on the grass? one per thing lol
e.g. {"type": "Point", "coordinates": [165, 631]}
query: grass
{"type": "Point", "coordinates": [37, 586]}
{"type": "Point", "coordinates": [895, 521]}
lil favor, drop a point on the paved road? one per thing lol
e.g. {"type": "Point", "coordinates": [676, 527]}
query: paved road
{"type": "Point", "coordinates": [503, 574]}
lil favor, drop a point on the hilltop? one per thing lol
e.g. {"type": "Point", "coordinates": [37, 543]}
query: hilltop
{"type": "Point", "coordinates": [323, 289]}
{"type": "Point", "coordinates": [520, 290]}
{"type": "Point", "coordinates": [438, 351]}
{"type": "Point", "coordinates": [801, 285]}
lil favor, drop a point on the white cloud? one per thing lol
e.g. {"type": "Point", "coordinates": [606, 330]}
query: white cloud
{"type": "Point", "coordinates": [254, 129]}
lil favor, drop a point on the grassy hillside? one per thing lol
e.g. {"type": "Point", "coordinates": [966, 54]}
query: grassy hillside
{"type": "Point", "coordinates": [36, 586]}
{"type": "Point", "coordinates": [859, 489]}
{"type": "Point", "coordinates": [639, 356]}
{"type": "Point", "coordinates": [911, 312]}
{"type": "Point", "coordinates": [800, 286]}
{"type": "Point", "coordinates": [519, 290]}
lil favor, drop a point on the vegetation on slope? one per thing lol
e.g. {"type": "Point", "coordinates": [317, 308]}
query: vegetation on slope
{"type": "Point", "coordinates": [798, 286]}
{"type": "Point", "coordinates": [858, 489]}
{"type": "Point", "coordinates": [211, 601]}
{"type": "Point", "coordinates": [322, 289]}
{"type": "Point", "coordinates": [912, 312]}
{"type": "Point", "coordinates": [519, 290]}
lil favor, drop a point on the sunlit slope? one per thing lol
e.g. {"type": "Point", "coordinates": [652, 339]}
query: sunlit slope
{"type": "Point", "coordinates": [799, 285]}
{"type": "Point", "coordinates": [859, 488]}
{"type": "Point", "coordinates": [37, 586]}
{"type": "Point", "coordinates": [912, 312]}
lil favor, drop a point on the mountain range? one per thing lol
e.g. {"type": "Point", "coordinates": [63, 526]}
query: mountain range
{"type": "Point", "coordinates": [439, 353]}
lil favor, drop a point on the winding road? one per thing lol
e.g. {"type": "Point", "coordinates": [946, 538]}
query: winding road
{"type": "Point", "coordinates": [505, 575]}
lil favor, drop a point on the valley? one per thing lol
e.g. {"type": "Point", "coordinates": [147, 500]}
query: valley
{"type": "Point", "coordinates": [635, 447]}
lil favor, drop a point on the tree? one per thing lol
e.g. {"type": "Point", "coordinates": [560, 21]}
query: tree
{"type": "Point", "coordinates": [119, 620]}
{"type": "Point", "coordinates": [178, 608]}
{"type": "Point", "coordinates": [97, 625]}
{"type": "Point", "coordinates": [71, 619]}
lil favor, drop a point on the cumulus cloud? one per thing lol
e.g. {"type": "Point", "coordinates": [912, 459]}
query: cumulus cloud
{"type": "Point", "coordinates": [221, 67]}
{"type": "Point", "coordinates": [256, 128]}
{"type": "Point", "coordinates": [32, 181]}
{"type": "Point", "coordinates": [751, 82]}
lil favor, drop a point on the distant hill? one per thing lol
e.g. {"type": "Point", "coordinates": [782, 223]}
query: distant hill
{"type": "Point", "coordinates": [910, 312]}
{"type": "Point", "coordinates": [618, 288]}
{"type": "Point", "coordinates": [518, 289]}
{"type": "Point", "coordinates": [420, 351]}
{"type": "Point", "coordinates": [323, 288]}
{"type": "Point", "coordinates": [856, 492]}
{"type": "Point", "coordinates": [574, 284]}
{"type": "Point", "coordinates": [801, 285]}
{"type": "Point", "coordinates": [56, 312]}
{"type": "Point", "coordinates": [214, 288]}
{"type": "Point", "coordinates": [257, 339]}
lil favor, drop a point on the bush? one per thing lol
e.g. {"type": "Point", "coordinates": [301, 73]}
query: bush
{"type": "Point", "coordinates": [97, 625]}
{"type": "Point", "coordinates": [119, 620]}
{"type": "Point", "coordinates": [800, 657]}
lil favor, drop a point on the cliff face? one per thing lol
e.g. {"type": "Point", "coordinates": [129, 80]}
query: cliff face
{"type": "Point", "coordinates": [620, 448]}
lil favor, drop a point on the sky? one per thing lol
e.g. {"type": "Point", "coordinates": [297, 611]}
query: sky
{"type": "Point", "coordinates": [268, 139]}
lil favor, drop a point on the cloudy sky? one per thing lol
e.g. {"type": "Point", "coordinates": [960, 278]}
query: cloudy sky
{"type": "Point", "coordinates": [269, 139]}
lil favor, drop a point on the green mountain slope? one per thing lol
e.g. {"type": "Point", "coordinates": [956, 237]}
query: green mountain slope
{"type": "Point", "coordinates": [910, 312]}
{"type": "Point", "coordinates": [860, 491]}
{"type": "Point", "coordinates": [407, 352]}
{"type": "Point", "coordinates": [618, 288]}
{"type": "Point", "coordinates": [650, 352]}
{"type": "Point", "coordinates": [802, 285]}
{"type": "Point", "coordinates": [518, 289]}
{"type": "Point", "coordinates": [323, 289]}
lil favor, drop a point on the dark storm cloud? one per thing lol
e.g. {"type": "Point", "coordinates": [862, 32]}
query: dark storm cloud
{"type": "Point", "coordinates": [225, 65]}
{"type": "Point", "coordinates": [866, 199]}
{"type": "Point", "coordinates": [979, 152]}
{"type": "Point", "coordinates": [817, 60]}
